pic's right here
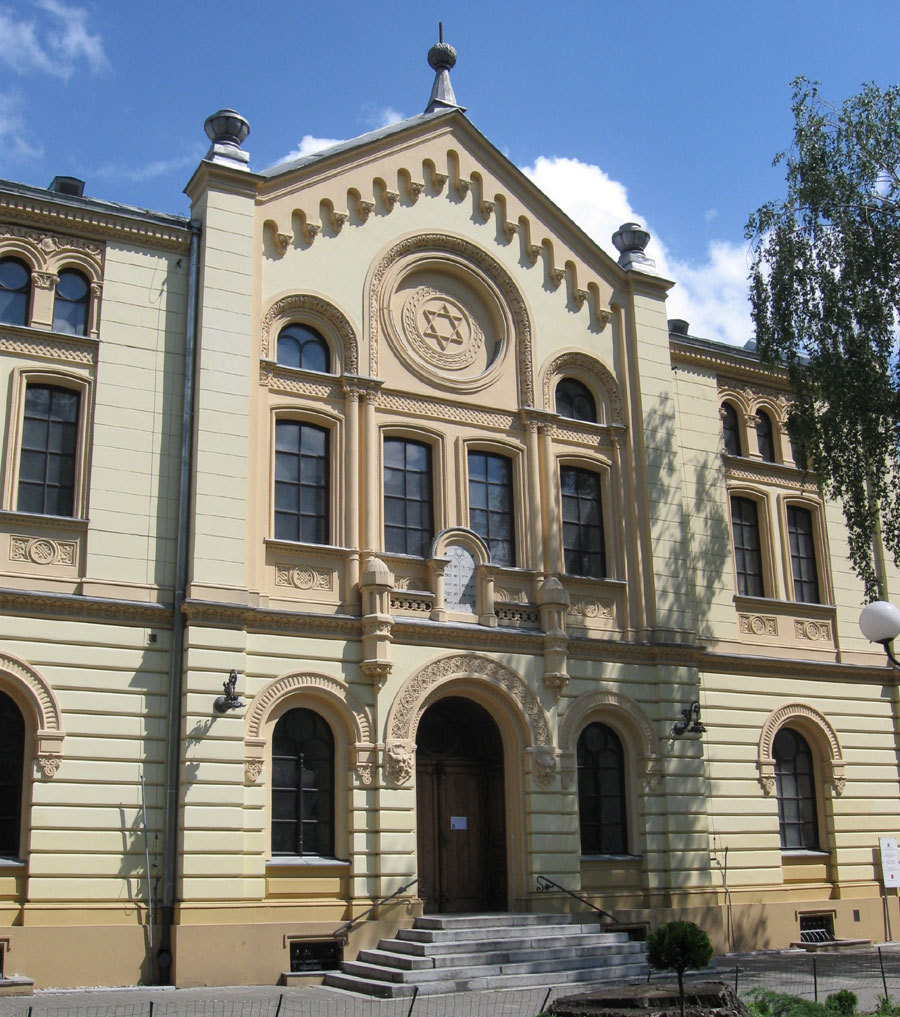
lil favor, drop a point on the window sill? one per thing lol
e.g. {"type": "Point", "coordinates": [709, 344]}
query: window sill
{"type": "Point", "coordinates": [804, 853]}
{"type": "Point", "coordinates": [12, 863]}
{"type": "Point", "coordinates": [29, 519]}
{"type": "Point", "coordinates": [612, 858]}
{"type": "Point", "coordinates": [306, 862]}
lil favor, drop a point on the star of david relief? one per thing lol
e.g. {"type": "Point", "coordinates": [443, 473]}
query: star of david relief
{"type": "Point", "coordinates": [442, 326]}
{"type": "Point", "coordinates": [440, 330]}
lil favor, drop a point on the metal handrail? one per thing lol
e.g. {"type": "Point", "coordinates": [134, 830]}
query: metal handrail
{"type": "Point", "coordinates": [342, 930]}
{"type": "Point", "coordinates": [543, 884]}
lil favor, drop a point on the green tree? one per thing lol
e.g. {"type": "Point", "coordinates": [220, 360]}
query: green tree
{"type": "Point", "coordinates": [678, 947]}
{"type": "Point", "coordinates": [825, 295]}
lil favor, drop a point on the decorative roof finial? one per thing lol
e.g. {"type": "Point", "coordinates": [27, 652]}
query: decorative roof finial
{"type": "Point", "coordinates": [442, 57]}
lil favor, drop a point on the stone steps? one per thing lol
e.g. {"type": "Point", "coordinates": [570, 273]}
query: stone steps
{"type": "Point", "coordinates": [461, 953]}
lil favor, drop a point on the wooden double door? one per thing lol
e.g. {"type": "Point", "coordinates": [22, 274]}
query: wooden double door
{"type": "Point", "coordinates": [460, 809]}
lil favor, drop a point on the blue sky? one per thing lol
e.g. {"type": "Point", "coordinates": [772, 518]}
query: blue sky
{"type": "Point", "coordinates": [670, 113]}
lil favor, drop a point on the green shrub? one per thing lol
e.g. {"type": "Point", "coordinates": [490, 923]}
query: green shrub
{"type": "Point", "coordinates": [679, 946]}
{"type": "Point", "coordinates": [843, 1002]}
{"type": "Point", "coordinates": [766, 1003]}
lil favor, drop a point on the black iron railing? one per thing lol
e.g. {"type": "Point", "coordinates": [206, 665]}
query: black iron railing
{"type": "Point", "coordinates": [342, 930]}
{"type": "Point", "coordinates": [544, 884]}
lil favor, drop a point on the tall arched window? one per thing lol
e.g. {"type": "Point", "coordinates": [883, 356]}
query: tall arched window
{"type": "Point", "coordinates": [584, 543]}
{"type": "Point", "coordinates": [574, 400]}
{"type": "Point", "coordinates": [601, 791]}
{"type": "Point", "coordinates": [301, 482]}
{"type": "Point", "coordinates": [302, 785]}
{"type": "Point", "coordinates": [302, 346]}
{"type": "Point", "coordinates": [731, 432]}
{"type": "Point", "coordinates": [71, 303]}
{"type": "Point", "coordinates": [795, 786]}
{"type": "Point", "coordinates": [15, 291]}
{"type": "Point", "coordinates": [48, 456]}
{"type": "Point", "coordinates": [12, 754]}
{"type": "Point", "coordinates": [765, 436]}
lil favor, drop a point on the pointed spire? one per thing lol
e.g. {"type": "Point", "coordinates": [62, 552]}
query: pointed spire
{"type": "Point", "coordinates": [441, 57]}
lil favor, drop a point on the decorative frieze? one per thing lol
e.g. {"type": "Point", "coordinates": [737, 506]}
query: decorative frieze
{"type": "Point", "coordinates": [32, 343]}
{"type": "Point", "coordinates": [757, 625]}
{"type": "Point", "coordinates": [591, 607]}
{"type": "Point", "coordinates": [43, 550]}
{"type": "Point", "coordinates": [814, 631]}
{"type": "Point", "coordinates": [304, 577]}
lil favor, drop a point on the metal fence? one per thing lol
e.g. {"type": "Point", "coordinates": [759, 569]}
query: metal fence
{"type": "Point", "coordinates": [870, 974]}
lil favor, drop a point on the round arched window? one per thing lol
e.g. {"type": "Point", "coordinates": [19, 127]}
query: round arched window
{"type": "Point", "coordinates": [15, 290]}
{"type": "Point", "coordinates": [303, 347]}
{"type": "Point", "coordinates": [574, 400]}
{"type": "Point", "coordinates": [70, 306]}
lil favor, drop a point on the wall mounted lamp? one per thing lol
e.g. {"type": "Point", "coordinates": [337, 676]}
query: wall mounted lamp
{"type": "Point", "coordinates": [230, 700]}
{"type": "Point", "coordinates": [691, 723]}
{"type": "Point", "coordinates": [880, 623]}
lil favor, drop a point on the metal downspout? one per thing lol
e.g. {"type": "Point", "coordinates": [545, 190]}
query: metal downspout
{"type": "Point", "coordinates": [176, 669]}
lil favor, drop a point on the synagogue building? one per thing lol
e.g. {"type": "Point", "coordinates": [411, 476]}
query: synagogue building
{"type": "Point", "coordinates": [370, 530]}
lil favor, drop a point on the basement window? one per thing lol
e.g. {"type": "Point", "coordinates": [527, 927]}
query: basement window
{"type": "Point", "coordinates": [314, 955]}
{"type": "Point", "coordinates": [817, 928]}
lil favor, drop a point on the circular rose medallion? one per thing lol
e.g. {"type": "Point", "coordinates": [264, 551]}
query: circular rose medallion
{"type": "Point", "coordinates": [441, 330]}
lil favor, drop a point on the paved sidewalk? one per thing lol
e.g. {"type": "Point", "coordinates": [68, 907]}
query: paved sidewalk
{"type": "Point", "coordinates": [793, 971]}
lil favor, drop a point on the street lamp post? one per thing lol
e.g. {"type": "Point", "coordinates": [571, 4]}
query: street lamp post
{"type": "Point", "coordinates": [880, 623]}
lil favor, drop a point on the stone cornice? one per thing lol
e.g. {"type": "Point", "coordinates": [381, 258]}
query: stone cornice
{"type": "Point", "coordinates": [739, 363]}
{"type": "Point", "coordinates": [97, 221]}
{"type": "Point", "coordinates": [72, 607]}
{"type": "Point", "coordinates": [613, 651]}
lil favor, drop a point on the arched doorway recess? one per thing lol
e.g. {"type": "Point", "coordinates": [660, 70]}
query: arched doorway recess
{"type": "Point", "coordinates": [461, 825]}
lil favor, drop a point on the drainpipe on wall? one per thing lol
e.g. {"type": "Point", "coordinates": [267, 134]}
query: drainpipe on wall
{"type": "Point", "coordinates": [176, 669]}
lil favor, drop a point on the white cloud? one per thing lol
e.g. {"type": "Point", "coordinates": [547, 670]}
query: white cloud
{"type": "Point", "coordinates": [384, 116]}
{"type": "Point", "coordinates": [309, 145]}
{"type": "Point", "coordinates": [55, 42]}
{"type": "Point", "coordinates": [150, 170]}
{"type": "Point", "coordinates": [16, 141]}
{"type": "Point", "coordinates": [711, 295]}
{"type": "Point", "coordinates": [710, 214]}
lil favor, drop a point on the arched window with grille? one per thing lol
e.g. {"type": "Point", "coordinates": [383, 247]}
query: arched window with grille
{"type": "Point", "coordinates": [302, 785]}
{"type": "Point", "coordinates": [731, 432]}
{"type": "Point", "coordinates": [15, 291]}
{"type": "Point", "coordinates": [765, 436]}
{"type": "Point", "coordinates": [12, 754]}
{"type": "Point", "coordinates": [601, 791]}
{"type": "Point", "coordinates": [71, 303]}
{"type": "Point", "coordinates": [574, 400]}
{"type": "Point", "coordinates": [795, 786]}
{"type": "Point", "coordinates": [303, 347]}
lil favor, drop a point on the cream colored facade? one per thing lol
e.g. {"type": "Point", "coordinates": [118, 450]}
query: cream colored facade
{"type": "Point", "coordinates": [452, 297]}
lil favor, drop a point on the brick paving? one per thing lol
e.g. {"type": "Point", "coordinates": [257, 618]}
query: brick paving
{"type": "Point", "coordinates": [786, 971]}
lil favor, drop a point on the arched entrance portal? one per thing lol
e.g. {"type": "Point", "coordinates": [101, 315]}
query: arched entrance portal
{"type": "Point", "coordinates": [460, 809]}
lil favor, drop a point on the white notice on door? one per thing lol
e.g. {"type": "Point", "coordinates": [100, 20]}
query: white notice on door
{"type": "Point", "coordinates": [462, 823]}
{"type": "Point", "coordinates": [890, 862]}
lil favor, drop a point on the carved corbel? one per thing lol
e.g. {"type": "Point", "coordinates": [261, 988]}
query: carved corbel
{"type": "Point", "coordinates": [390, 200]}
{"type": "Point", "coordinates": [364, 209]}
{"type": "Point", "coordinates": [579, 296]}
{"type": "Point", "coordinates": [557, 275]}
{"type": "Point", "coordinates": [486, 208]}
{"type": "Point", "coordinates": [553, 603]}
{"type": "Point", "coordinates": [49, 763]}
{"type": "Point", "coordinates": [365, 764]}
{"type": "Point", "coordinates": [533, 251]}
{"type": "Point", "coordinates": [398, 761]}
{"type": "Point", "coordinates": [604, 315]}
{"type": "Point", "coordinates": [543, 765]}
{"type": "Point", "coordinates": [653, 773]}
{"type": "Point", "coordinates": [414, 189]}
{"type": "Point", "coordinates": [282, 242]}
{"type": "Point", "coordinates": [44, 280]}
{"type": "Point", "coordinates": [310, 231]}
{"type": "Point", "coordinates": [438, 180]}
{"type": "Point", "coordinates": [337, 220]}
{"type": "Point", "coordinates": [462, 187]}
{"type": "Point", "coordinates": [510, 229]}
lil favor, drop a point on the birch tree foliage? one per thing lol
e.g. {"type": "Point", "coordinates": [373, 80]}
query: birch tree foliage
{"type": "Point", "coordinates": [825, 299]}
